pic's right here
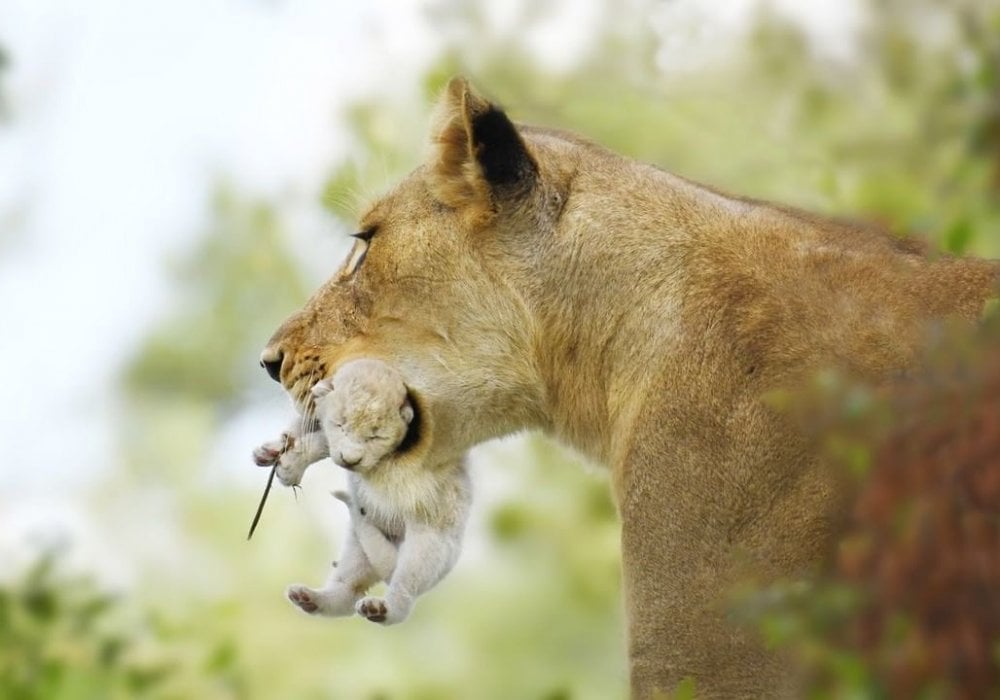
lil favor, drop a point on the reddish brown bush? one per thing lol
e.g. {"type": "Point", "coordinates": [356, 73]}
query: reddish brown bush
{"type": "Point", "coordinates": [924, 546]}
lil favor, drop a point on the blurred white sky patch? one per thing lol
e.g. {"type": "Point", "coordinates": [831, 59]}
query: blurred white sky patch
{"type": "Point", "coordinates": [831, 26]}
{"type": "Point", "coordinates": [694, 33]}
{"type": "Point", "coordinates": [59, 525]}
{"type": "Point", "coordinates": [560, 31]}
{"type": "Point", "coordinates": [124, 115]}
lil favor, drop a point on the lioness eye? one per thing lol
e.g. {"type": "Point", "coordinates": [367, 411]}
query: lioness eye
{"type": "Point", "coordinates": [359, 251]}
{"type": "Point", "coordinates": [357, 256]}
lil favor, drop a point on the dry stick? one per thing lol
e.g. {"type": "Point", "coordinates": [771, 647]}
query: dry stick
{"type": "Point", "coordinates": [287, 442]}
{"type": "Point", "coordinates": [263, 498]}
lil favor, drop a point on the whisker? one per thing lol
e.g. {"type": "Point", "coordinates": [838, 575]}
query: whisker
{"type": "Point", "coordinates": [309, 410]}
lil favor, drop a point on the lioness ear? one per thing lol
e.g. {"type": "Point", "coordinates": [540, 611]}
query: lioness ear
{"type": "Point", "coordinates": [478, 156]}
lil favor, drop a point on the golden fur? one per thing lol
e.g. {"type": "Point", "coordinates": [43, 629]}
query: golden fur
{"type": "Point", "coordinates": [531, 279]}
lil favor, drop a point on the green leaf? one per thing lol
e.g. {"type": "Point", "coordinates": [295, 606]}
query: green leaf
{"type": "Point", "coordinates": [959, 235]}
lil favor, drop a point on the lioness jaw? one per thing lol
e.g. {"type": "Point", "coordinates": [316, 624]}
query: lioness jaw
{"type": "Point", "coordinates": [526, 278]}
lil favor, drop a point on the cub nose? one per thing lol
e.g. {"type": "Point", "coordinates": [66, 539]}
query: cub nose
{"type": "Point", "coordinates": [348, 461]}
{"type": "Point", "coordinates": [271, 361]}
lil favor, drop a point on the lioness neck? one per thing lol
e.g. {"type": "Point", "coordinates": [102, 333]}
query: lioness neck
{"type": "Point", "coordinates": [609, 292]}
{"type": "Point", "coordinates": [657, 282]}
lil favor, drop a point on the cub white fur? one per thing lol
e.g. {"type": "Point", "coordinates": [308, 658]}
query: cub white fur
{"type": "Point", "coordinates": [407, 517]}
{"type": "Point", "coordinates": [357, 425]}
{"type": "Point", "coordinates": [366, 417]}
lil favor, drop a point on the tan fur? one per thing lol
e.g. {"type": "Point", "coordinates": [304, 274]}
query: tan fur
{"type": "Point", "coordinates": [640, 318]}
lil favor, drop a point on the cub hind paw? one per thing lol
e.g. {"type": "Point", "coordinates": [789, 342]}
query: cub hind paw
{"type": "Point", "coordinates": [304, 597]}
{"type": "Point", "coordinates": [373, 609]}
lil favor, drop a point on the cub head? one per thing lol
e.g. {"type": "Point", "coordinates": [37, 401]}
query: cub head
{"type": "Point", "coordinates": [364, 411]}
{"type": "Point", "coordinates": [439, 280]}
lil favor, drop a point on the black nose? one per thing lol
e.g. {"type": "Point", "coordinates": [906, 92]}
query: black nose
{"type": "Point", "coordinates": [273, 366]}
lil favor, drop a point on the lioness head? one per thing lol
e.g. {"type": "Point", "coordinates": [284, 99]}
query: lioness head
{"type": "Point", "coordinates": [438, 281]}
{"type": "Point", "coordinates": [520, 278]}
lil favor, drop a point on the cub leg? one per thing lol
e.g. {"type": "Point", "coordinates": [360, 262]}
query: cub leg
{"type": "Point", "coordinates": [425, 556]}
{"type": "Point", "coordinates": [350, 578]}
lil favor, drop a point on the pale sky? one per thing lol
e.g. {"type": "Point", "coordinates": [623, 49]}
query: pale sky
{"type": "Point", "coordinates": [125, 113]}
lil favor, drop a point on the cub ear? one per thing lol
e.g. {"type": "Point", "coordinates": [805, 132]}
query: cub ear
{"type": "Point", "coordinates": [406, 412]}
{"type": "Point", "coordinates": [322, 388]}
{"type": "Point", "coordinates": [478, 156]}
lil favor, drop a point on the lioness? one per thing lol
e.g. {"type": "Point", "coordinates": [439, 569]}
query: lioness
{"type": "Point", "coordinates": [527, 278]}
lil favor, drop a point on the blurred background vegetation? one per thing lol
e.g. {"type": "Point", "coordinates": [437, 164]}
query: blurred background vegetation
{"type": "Point", "coordinates": [900, 125]}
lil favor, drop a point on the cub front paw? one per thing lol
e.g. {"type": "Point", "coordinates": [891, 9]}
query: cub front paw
{"type": "Point", "coordinates": [267, 455]}
{"type": "Point", "coordinates": [304, 597]}
{"type": "Point", "coordinates": [373, 609]}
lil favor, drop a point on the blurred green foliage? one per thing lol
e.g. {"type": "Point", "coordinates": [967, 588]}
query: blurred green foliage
{"type": "Point", "coordinates": [910, 606]}
{"type": "Point", "coordinates": [233, 290]}
{"type": "Point", "coordinates": [907, 133]}
{"type": "Point", "coordinates": [62, 636]}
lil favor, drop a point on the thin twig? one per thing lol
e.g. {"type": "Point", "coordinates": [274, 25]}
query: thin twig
{"type": "Point", "coordinates": [263, 499]}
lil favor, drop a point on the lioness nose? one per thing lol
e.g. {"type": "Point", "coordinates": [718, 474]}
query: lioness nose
{"type": "Point", "coordinates": [271, 360]}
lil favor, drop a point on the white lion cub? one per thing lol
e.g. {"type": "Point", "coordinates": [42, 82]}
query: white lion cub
{"type": "Point", "coordinates": [407, 516]}
{"type": "Point", "coordinates": [357, 425]}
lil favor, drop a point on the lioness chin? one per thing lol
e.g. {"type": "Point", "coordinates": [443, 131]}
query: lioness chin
{"type": "Point", "coordinates": [526, 278]}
